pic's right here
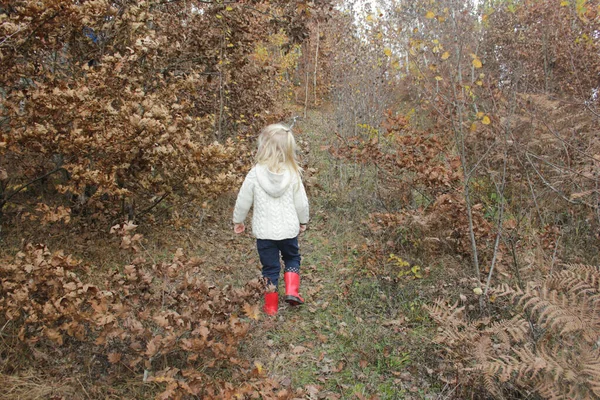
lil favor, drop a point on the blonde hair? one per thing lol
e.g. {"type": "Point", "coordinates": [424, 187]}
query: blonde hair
{"type": "Point", "coordinates": [277, 149]}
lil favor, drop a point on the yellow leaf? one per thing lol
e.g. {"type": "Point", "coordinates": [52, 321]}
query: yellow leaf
{"type": "Point", "coordinates": [387, 51]}
{"type": "Point", "coordinates": [228, 8]}
{"type": "Point", "coordinates": [473, 127]}
{"type": "Point", "coordinates": [430, 15]}
{"type": "Point", "coordinates": [445, 56]}
{"type": "Point", "coordinates": [564, 3]}
{"type": "Point", "coordinates": [486, 120]}
{"type": "Point", "coordinates": [479, 83]}
{"type": "Point", "coordinates": [478, 291]}
{"type": "Point", "coordinates": [369, 18]}
{"type": "Point", "coordinates": [219, 16]}
{"type": "Point", "coordinates": [251, 311]}
{"type": "Point", "coordinates": [439, 78]}
{"type": "Point", "coordinates": [477, 63]}
{"type": "Point", "coordinates": [480, 114]}
{"type": "Point", "coordinates": [259, 367]}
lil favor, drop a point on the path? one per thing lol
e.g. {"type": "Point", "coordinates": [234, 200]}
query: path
{"type": "Point", "coordinates": [356, 336]}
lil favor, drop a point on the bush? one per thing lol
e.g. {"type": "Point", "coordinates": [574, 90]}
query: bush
{"type": "Point", "coordinates": [158, 323]}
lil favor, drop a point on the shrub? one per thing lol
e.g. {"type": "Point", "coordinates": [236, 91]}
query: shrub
{"type": "Point", "coordinates": [161, 323]}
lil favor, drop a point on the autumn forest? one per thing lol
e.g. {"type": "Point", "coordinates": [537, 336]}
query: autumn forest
{"type": "Point", "coordinates": [450, 152]}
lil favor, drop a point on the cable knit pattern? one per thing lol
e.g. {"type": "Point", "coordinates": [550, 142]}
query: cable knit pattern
{"type": "Point", "coordinates": [280, 203]}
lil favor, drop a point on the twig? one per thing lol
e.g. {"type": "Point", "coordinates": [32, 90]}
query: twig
{"type": "Point", "coordinates": [147, 210]}
{"type": "Point", "coordinates": [527, 154]}
{"type": "Point", "coordinates": [9, 36]}
{"type": "Point", "coordinates": [449, 393]}
{"type": "Point", "coordinates": [13, 194]}
{"type": "Point", "coordinates": [500, 216]}
{"type": "Point", "coordinates": [472, 171]}
{"type": "Point", "coordinates": [83, 387]}
{"type": "Point", "coordinates": [555, 251]}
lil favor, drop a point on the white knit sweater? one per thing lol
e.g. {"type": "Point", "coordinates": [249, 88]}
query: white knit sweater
{"type": "Point", "coordinates": [280, 203]}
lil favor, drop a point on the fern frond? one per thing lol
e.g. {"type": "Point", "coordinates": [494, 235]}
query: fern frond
{"type": "Point", "coordinates": [547, 389]}
{"type": "Point", "coordinates": [578, 279]}
{"type": "Point", "coordinates": [562, 312]}
{"type": "Point", "coordinates": [561, 361]}
{"type": "Point", "coordinates": [504, 290]}
{"type": "Point", "coordinates": [442, 312]}
{"type": "Point", "coordinates": [490, 384]}
{"type": "Point", "coordinates": [509, 331]}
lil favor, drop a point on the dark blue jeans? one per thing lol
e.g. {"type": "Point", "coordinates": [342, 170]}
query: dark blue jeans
{"type": "Point", "coordinates": [270, 251]}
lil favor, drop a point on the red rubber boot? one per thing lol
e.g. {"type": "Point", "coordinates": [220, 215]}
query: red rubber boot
{"type": "Point", "coordinates": [271, 303]}
{"type": "Point", "coordinates": [292, 284]}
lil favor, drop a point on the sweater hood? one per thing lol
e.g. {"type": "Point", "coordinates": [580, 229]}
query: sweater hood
{"type": "Point", "coordinates": [275, 184]}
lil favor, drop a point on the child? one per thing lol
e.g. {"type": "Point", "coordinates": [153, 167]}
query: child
{"type": "Point", "coordinates": [275, 188]}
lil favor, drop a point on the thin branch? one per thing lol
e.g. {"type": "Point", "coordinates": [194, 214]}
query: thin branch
{"type": "Point", "coordinates": [500, 216]}
{"type": "Point", "coordinates": [50, 18]}
{"type": "Point", "coordinates": [561, 194]}
{"type": "Point", "coordinates": [472, 171]}
{"type": "Point", "coordinates": [564, 142]}
{"type": "Point", "coordinates": [9, 36]}
{"type": "Point", "coordinates": [13, 194]}
{"type": "Point", "coordinates": [157, 202]}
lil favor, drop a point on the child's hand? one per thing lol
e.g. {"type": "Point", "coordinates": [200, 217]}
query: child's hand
{"type": "Point", "coordinates": [302, 228]}
{"type": "Point", "coordinates": [239, 228]}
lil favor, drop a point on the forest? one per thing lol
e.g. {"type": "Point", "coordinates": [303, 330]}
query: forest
{"type": "Point", "coordinates": [450, 151]}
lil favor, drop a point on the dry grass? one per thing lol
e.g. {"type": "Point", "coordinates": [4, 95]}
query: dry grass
{"type": "Point", "coordinates": [31, 385]}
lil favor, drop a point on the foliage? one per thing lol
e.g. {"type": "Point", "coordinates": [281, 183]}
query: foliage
{"type": "Point", "coordinates": [549, 346]}
{"type": "Point", "coordinates": [106, 101]}
{"type": "Point", "coordinates": [162, 322]}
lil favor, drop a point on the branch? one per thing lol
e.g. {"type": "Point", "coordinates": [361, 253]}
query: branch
{"type": "Point", "coordinates": [561, 194]}
{"type": "Point", "coordinates": [160, 3]}
{"type": "Point", "coordinates": [9, 36]}
{"type": "Point", "coordinates": [13, 194]}
{"type": "Point", "coordinates": [50, 18]}
{"type": "Point", "coordinates": [147, 210]}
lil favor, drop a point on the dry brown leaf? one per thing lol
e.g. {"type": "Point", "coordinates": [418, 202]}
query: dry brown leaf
{"type": "Point", "coordinates": [299, 349]}
{"type": "Point", "coordinates": [252, 311]}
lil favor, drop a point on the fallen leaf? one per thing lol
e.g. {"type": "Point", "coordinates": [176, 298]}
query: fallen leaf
{"type": "Point", "coordinates": [258, 368]}
{"type": "Point", "coordinates": [114, 358]}
{"type": "Point", "coordinates": [299, 349]}
{"type": "Point", "coordinates": [252, 312]}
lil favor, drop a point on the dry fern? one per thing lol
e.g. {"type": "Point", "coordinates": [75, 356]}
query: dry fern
{"type": "Point", "coordinates": [550, 347]}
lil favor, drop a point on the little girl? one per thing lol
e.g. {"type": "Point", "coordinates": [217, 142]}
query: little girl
{"type": "Point", "coordinates": [275, 188]}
